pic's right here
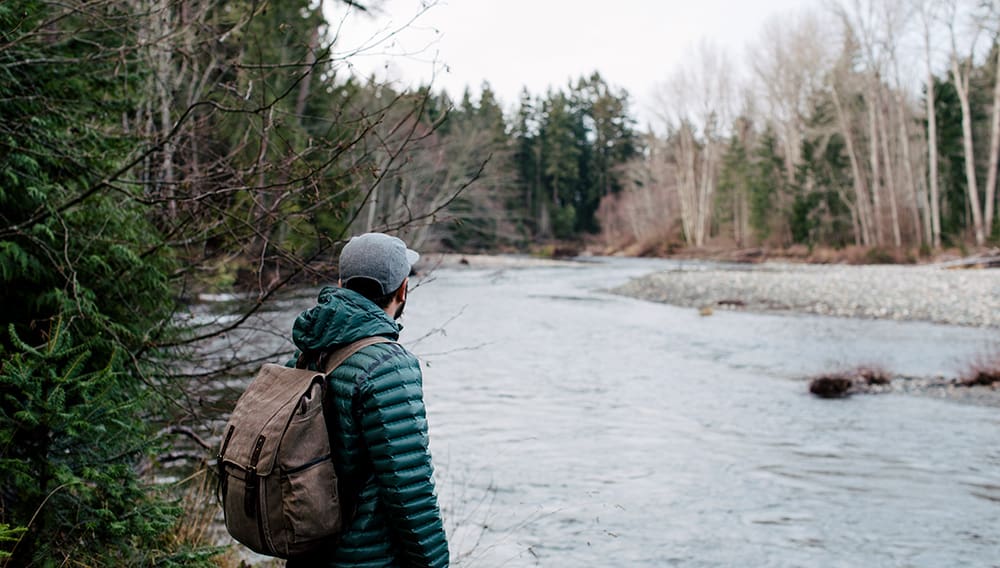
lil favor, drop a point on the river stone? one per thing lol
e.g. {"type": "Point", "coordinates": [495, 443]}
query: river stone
{"type": "Point", "coordinates": [916, 293]}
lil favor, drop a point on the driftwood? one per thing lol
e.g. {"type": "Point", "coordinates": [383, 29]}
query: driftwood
{"type": "Point", "coordinates": [988, 260]}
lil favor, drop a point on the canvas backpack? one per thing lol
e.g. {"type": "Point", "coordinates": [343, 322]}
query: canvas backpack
{"type": "Point", "coordinates": [276, 477]}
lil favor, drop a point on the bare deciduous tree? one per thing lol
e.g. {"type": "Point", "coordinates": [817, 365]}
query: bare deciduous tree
{"type": "Point", "coordinates": [863, 204]}
{"type": "Point", "coordinates": [790, 61]}
{"type": "Point", "coordinates": [695, 105]}
{"type": "Point", "coordinates": [646, 212]}
{"type": "Point", "coordinates": [961, 65]}
{"type": "Point", "coordinates": [992, 23]}
{"type": "Point", "coordinates": [926, 10]}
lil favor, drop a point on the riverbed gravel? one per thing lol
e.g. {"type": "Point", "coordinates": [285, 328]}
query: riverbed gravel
{"type": "Point", "coordinates": [968, 297]}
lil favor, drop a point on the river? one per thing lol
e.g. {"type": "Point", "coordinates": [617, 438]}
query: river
{"type": "Point", "coordinates": [572, 427]}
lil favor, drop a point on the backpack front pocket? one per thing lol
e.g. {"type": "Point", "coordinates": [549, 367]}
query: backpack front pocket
{"type": "Point", "coordinates": [310, 501]}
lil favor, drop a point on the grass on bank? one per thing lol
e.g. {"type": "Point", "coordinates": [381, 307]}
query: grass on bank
{"type": "Point", "coordinates": [984, 371]}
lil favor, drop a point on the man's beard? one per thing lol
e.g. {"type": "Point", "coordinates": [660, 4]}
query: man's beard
{"type": "Point", "coordinates": [399, 311]}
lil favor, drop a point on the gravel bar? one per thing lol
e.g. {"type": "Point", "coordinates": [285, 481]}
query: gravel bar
{"type": "Point", "coordinates": [921, 293]}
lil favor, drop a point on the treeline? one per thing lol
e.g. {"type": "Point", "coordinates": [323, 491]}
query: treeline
{"type": "Point", "coordinates": [829, 142]}
{"type": "Point", "coordinates": [547, 166]}
{"type": "Point", "coordinates": [873, 123]}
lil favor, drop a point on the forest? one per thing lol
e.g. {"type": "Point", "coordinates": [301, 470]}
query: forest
{"type": "Point", "coordinates": [151, 150]}
{"type": "Point", "coordinates": [823, 142]}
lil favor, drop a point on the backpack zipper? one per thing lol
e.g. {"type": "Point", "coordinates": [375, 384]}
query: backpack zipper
{"type": "Point", "coordinates": [253, 498]}
{"type": "Point", "coordinates": [220, 489]}
{"type": "Point", "coordinates": [307, 465]}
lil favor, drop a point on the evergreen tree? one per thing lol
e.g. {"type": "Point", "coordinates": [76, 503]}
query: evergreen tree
{"type": "Point", "coordinates": [85, 288]}
{"type": "Point", "coordinates": [955, 218]}
{"type": "Point", "coordinates": [527, 159]}
{"type": "Point", "coordinates": [569, 149]}
{"type": "Point", "coordinates": [735, 175]}
{"type": "Point", "coordinates": [479, 218]}
{"type": "Point", "coordinates": [818, 213]}
{"type": "Point", "coordinates": [489, 115]}
{"type": "Point", "coordinates": [766, 185]}
{"type": "Point", "coordinates": [610, 141]}
{"type": "Point", "coordinates": [561, 152]}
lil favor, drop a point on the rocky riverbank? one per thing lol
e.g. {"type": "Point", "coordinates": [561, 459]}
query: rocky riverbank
{"type": "Point", "coordinates": [922, 293]}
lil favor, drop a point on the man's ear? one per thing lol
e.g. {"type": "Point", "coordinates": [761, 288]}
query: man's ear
{"type": "Point", "coordinates": [401, 293]}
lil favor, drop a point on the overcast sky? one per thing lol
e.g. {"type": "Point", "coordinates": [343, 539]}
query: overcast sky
{"type": "Point", "coordinates": [536, 44]}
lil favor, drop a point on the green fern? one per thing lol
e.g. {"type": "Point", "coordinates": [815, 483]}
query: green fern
{"type": "Point", "coordinates": [13, 260]}
{"type": "Point", "coordinates": [9, 537]}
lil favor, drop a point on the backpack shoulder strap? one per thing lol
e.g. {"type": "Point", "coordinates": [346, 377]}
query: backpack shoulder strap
{"type": "Point", "coordinates": [338, 356]}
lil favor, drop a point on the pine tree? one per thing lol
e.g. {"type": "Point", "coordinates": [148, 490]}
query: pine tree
{"type": "Point", "coordinates": [732, 199]}
{"type": "Point", "coordinates": [561, 152]}
{"type": "Point", "coordinates": [608, 139]}
{"type": "Point", "coordinates": [954, 198]}
{"type": "Point", "coordinates": [85, 286]}
{"type": "Point", "coordinates": [527, 160]}
{"type": "Point", "coordinates": [766, 185]}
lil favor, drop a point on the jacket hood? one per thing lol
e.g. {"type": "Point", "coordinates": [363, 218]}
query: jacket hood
{"type": "Point", "coordinates": [340, 316]}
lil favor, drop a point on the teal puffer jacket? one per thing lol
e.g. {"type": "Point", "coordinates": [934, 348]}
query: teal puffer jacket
{"type": "Point", "coordinates": [380, 447]}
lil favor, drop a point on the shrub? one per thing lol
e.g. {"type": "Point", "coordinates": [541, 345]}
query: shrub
{"type": "Point", "coordinates": [873, 375]}
{"type": "Point", "coordinates": [831, 386]}
{"type": "Point", "coordinates": [861, 379]}
{"type": "Point", "coordinates": [878, 255]}
{"type": "Point", "coordinates": [984, 372]}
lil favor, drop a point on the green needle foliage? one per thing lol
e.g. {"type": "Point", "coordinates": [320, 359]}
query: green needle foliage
{"type": "Point", "coordinates": [8, 537]}
{"type": "Point", "coordinates": [71, 438]}
{"type": "Point", "coordinates": [83, 299]}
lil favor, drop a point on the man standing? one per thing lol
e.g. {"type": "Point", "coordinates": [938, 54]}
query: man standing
{"type": "Point", "coordinates": [376, 414]}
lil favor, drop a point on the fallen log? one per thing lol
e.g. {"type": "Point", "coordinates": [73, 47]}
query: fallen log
{"type": "Point", "coordinates": [990, 260]}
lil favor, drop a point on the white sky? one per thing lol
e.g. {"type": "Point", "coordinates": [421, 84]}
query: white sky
{"type": "Point", "coordinates": [634, 44]}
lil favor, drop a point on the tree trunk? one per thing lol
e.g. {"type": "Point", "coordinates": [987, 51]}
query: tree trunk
{"type": "Point", "coordinates": [540, 216]}
{"type": "Point", "coordinates": [162, 36]}
{"type": "Point", "coordinates": [372, 208]}
{"type": "Point", "coordinates": [859, 184]}
{"type": "Point", "coordinates": [686, 185]}
{"type": "Point", "coordinates": [855, 218]}
{"type": "Point", "coordinates": [793, 146]}
{"type": "Point", "coordinates": [962, 87]}
{"type": "Point", "coordinates": [918, 200]}
{"type": "Point", "coordinates": [310, 63]}
{"type": "Point", "coordinates": [876, 171]}
{"type": "Point", "coordinates": [932, 150]}
{"type": "Point", "coordinates": [991, 178]}
{"type": "Point", "coordinates": [705, 191]}
{"type": "Point", "coordinates": [890, 175]}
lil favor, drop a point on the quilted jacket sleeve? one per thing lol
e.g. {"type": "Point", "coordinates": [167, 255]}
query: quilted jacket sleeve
{"type": "Point", "coordinates": [394, 426]}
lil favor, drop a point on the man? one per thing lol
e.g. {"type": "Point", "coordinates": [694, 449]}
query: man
{"type": "Point", "coordinates": [377, 421]}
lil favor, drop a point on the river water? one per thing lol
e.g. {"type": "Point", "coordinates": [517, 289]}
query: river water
{"type": "Point", "coordinates": [572, 427]}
